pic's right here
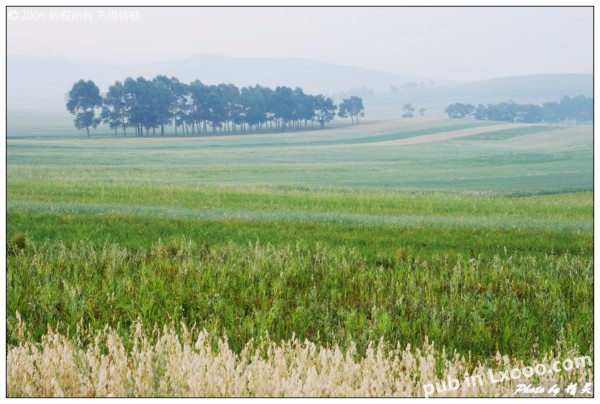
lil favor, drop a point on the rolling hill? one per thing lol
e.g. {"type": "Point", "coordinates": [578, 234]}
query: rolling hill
{"type": "Point", "coordinates": [534, 89]}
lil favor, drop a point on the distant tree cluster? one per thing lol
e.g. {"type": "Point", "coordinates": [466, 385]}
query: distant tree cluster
{"type": "Point", "coordinates": [412, 85]}
{"type": "Point", "coordinates": [579, 109]}
{"type": "Point", "coordinates": [408, 111]}
{"type": "Point", "coordinates": [147, 105]}
{"type": "Point", "coordinates": [362, 92]}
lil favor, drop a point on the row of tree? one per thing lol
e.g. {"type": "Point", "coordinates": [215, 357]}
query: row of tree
{"type": "Point", "coordinates": [148, 105]}
{"type": "Point", "coordinates": [579, 109]}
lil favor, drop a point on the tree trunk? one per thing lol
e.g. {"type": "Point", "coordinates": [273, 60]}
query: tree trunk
{"type": "Point", "coordinates": [87, 128]}
{"type": "Point", "coordinates": [162, 129]}
{"type": "Point", "coordinates": [357, 119]}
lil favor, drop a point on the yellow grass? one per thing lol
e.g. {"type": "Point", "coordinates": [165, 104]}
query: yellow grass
{"type": "Point", "coordinates": [177, 364]}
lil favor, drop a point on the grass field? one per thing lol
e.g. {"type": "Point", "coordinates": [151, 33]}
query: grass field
{"type": "Point", "coordinates": [474, 236]}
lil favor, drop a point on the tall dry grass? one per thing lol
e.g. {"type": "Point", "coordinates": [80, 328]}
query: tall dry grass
{"type": "Point", "coordinates": [185, 363]}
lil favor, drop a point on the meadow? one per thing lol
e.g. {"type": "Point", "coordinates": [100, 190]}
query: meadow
{"type": "Point", "coordinates": [386, 238]}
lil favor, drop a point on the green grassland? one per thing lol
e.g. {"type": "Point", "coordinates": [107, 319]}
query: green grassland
{"type": "Point", "coordinates": [480, 242]}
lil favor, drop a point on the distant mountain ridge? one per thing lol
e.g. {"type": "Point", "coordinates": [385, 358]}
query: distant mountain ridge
{"type": "Point", "coordinates": [45, 80]}
{"type": "Point", "coordinates": [538, 86]}
{"type": "Point", "coordinates": [33, 80]}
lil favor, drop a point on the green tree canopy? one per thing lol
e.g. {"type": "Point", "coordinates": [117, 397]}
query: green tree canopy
{"type": "Point", "coordinates": [114, 109]}
{"type": "Point", "coordinates": [324, 109]}
{"type": "Point", "coordinates": [351, 107]}
{"type": "Point", "coordinates": [459, 110]}
{"type": "Point", "coordinates": [84, 100]}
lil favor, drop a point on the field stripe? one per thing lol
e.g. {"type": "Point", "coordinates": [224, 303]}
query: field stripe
{"type": "Point", "coordinates": [255, 215]}
{"type": "Point", "coordinates": [437, 137]}
{"type": "Point", "coordinates": [370, 133]}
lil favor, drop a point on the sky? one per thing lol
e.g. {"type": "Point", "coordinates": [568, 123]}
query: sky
{"type": "Point", "coordinates": [459, 43]}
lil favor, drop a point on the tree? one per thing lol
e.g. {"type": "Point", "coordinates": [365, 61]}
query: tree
{"type": "Point", "coordinates": [481, 112]}
{"type": "Point", "coordinates": [148, 114]}
{"type": "Point", "coordinates": [552, 112]}
{"type": "Point", "coordinates": [459, 110]}
{"type": "Point", "coordinates": [324, 109]}
{"type": "Point", "coordinates": [255, 102]}
{"type": "Point", "coordinates": [165, 99]}
{"type": "Point", "coordinates": [422, 111]}
{"type": "Point", "coordinates": [284, 101]}
{"type": "Point", "coordinates": [199, 109]}
{"type": "Point", "coordinates": [504, 111]}
{"type": "Point", "coordinates": [579, 109]}
{"type": "Point", "coordinates": [114, 109]}
{"type": "Point", "coordinates": [132, 106]}
{"type": "Point", "coordinates": [529, 114]}
{"type": "Point", "coordinates": [351, 107]}
{"type": "Point", "coordinates": [84, 99]}
{"type": "Point", "coordinates": [303, 107]}
{"type": "Point", "coordinates": [231, 96]}
{"type": "Point", "coordinates": [182, 105]}
{"type": "Point", "coordinates": [216, 107]}
{"type": "Point", "coordinates": [407, 111]}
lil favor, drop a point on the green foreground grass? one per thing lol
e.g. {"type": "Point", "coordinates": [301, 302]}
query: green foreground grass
{"type": "Point", "coordinates": [514, 304]}
{"type": "Point", "coordinates": [485, 286]}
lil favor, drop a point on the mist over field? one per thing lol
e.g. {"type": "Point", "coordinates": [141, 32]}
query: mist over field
{"type": "Point", "coordinates": [299, 202]}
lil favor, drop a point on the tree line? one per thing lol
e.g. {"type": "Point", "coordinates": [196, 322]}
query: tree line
{"type": "Point", "coordinates": [579, 109]}
{"type": "Point", "coordinates": [148, 105]}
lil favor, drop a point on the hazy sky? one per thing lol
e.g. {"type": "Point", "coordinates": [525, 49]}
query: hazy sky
{"type": "Point", "coordinates": [454, 43]}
